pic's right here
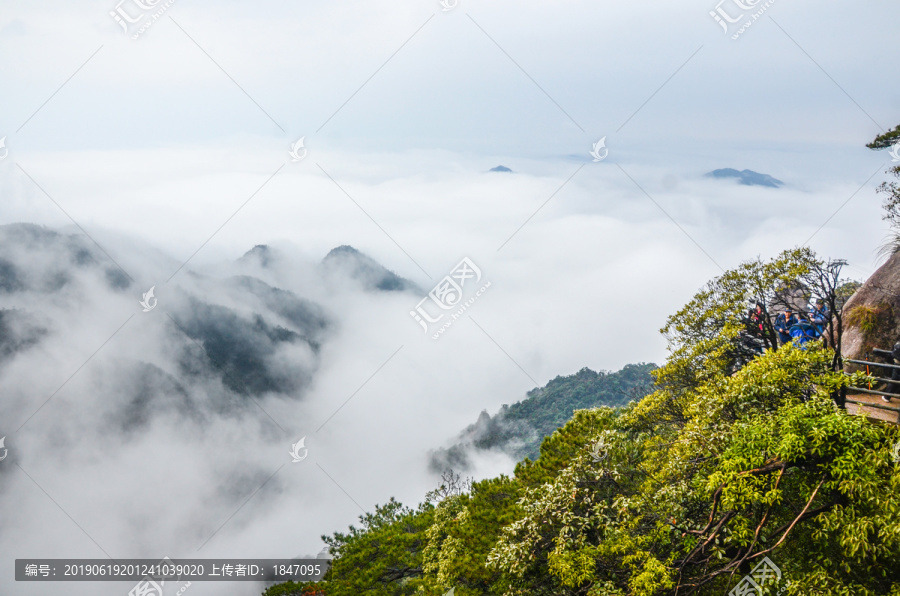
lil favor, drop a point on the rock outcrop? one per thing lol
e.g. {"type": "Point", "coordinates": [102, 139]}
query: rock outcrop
{"type": "Point", "coordinates": [872, 314]}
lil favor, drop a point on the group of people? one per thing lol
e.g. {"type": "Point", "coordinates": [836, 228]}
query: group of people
{"type": "Point", "coordinates": [790, 326]}
{"type": "Point", "coordinates": [802, 327]}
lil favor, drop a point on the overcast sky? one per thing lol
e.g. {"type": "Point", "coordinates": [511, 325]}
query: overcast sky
{"type": "Point", "coordinates": [174, 146]}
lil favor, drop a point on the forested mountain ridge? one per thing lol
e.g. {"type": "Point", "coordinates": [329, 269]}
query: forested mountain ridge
{"type": "Point", "coordinates": [518, 429]}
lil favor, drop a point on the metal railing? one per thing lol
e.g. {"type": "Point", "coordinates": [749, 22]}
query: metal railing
{"type": "Point", "coordinates": [869, 363]}
{"type": "Point", "coordinates": [868, 390]}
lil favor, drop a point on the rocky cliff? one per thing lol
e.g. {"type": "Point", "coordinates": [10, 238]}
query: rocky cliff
{"type": "Point", "coordinates": [872, 314]}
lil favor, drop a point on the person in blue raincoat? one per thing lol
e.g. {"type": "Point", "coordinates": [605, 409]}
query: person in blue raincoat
{"type": "Point", "coordinates": [819, 315]}
{"type": "Point", "coordinates": [783, 324]}
{"type": "Point", "coordinates": [804, 332]}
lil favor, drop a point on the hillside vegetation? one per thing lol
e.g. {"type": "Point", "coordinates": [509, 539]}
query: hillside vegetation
{"type": "Point", "coordinates": [518, 429]}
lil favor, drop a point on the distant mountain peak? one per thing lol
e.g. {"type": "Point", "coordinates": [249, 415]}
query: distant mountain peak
{"type": "Point", "coordinates": [365, 269]}
{"type": "Point", "coordinates": [261, 252]}
{"type": "Point", "coordinates": [344, 249]}
{"type": "Point", "coordinates": [746, 177]}
{"type": "Point", "coordinates": [500, 169]}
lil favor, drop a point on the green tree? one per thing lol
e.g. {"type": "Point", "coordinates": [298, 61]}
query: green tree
{"type": "Point", "coordinates": [886, 139]}
{"type": "Point", "coordinates": [710, 334]}
{"type": "Point", "coordinates": [845, 290]}
{"type": "Point", "coordinates": [890, 192]}
{"type": "Point", "coordinates": [464, 531]}
{"type": "Point", "coordinates": [383, 557]}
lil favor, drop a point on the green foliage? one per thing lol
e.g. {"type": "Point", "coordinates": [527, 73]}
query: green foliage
{"type": "Point", "coordinates": [885, 140]}
{"type": "Point", "coordinates": [891, 206]}
{"type": "Point", "coordinates": [383, 556]}
{"type": "Point", "coordinates": [707, 336]}
{"type": "Point", "coordinates": [465, 530]}
{"type": "Point", "coordinates": [845, 290]}
{"type": "Point", "coordinates": [557, 451]}
{"type": "Point", "coordinates": [867, 318]}
{"type": "Point", "coordinates": [296, 589]}
{"type": "Point", "coordinates": [761, 462]}
{"type": "Point", "coordinates": [891, 194]}
{"type": "Point", "coordinates": [891, 202]}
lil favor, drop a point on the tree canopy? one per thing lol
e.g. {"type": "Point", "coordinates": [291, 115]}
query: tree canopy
{"type": "Point", "coordinates": [885, 139]}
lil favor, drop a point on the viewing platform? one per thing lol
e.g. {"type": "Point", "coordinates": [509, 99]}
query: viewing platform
{"type": "Point", "coordinates": [867, 401]}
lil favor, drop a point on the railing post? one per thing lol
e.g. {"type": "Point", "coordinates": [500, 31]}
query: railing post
{"type": "Point", "coordinates": [867, 369]}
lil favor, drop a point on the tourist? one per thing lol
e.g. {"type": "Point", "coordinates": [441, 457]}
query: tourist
{"type": "Point", "coordinates": [819, 315]}
{"type": "Point", "coordinates": [783, 324]}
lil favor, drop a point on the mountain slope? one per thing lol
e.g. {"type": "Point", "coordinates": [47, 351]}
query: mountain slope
{"type": "Point", "coordinates": [519, 429]}
{"type": "Point", "coordinates": [365, 270]}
